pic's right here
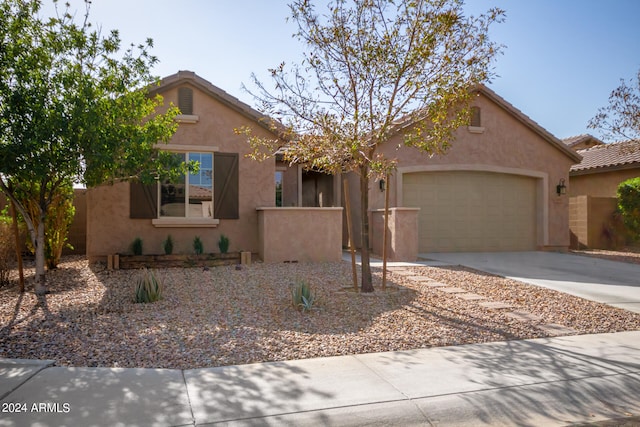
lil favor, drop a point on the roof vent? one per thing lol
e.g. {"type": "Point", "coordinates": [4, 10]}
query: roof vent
{"type": "Point", "coordinates": [185, 100]}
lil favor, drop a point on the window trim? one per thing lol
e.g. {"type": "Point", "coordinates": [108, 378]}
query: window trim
{"type": "Point", "coordinates": [179, 222]}
{"type": "Point", "coordinates": [187, 118]}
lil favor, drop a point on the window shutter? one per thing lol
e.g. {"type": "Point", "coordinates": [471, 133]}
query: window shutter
{"type": "Point", "coordinates": [225, 186]}
{"type": "Point", "coordinates": [185, 100]}
{"type": "Point", "coordinates": [143, 200]}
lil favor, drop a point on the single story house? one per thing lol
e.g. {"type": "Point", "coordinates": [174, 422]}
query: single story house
{"type": "Point", "coordinates": [498, 188]}
{"type": "Point", "coordinates": [593, 192]}
{"type": "Point", "coordinates": [604, 167]}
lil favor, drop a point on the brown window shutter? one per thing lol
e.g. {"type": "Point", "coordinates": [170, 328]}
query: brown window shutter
{"type": "Point", "coordinates": [225, 186]}
{"type": "Point", "coordinates": [185, 100]}
{"type": "Point", "coordinates": [143, 200]}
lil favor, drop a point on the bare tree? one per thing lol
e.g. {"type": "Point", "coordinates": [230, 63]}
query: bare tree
{"type": "Point", "coordinates": [371, 67]}
{"type": "Point", "coordinates": [621, 118]}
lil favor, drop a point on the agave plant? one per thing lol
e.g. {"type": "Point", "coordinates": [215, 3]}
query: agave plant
{"type": "Point", "coordinates": [302, 297]}
{"type": "Point", "coordinates": [148, 287]}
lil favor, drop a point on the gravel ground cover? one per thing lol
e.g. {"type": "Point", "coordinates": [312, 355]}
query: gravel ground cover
{"type": "Point", "coordinates": [224, 316]}
{"type": "Point", "coordinates": [630, 255]}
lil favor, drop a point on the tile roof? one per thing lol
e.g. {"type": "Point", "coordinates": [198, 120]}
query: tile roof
{"type": "Point", "coordinates": [617, 155]}
{"type": "Point", "coordinates": [572, 141]}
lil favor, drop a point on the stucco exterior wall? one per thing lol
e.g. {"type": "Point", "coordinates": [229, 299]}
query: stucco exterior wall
{"type": "Point", "coordinates": [593, 225]}
{"type": "Point", "coordinates": [300, 234]}
{"type": "Point", "coordinates": [110, 230]}
{"type": "Point", "coordinates": [77, 236]}
{"type": "Point", "coordinates": [506, 145]}
{"type": "Point", "coordinates": [402, 240]}
{"type": "Point", "coordinates": [603, 184]}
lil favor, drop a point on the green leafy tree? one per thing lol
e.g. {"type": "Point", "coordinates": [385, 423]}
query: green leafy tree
{"type": "Point", "coordinates": [629, 205]}
{"type": "Point", "coordinates": [74, 107]}
{"type": "Point", "coordinates": [372, 68]}
{"type": "Point", "coordinates": [621, 118]}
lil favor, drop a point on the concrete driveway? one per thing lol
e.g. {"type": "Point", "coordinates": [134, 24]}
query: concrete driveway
{"type": "Point", "coordinates": [610, 282]}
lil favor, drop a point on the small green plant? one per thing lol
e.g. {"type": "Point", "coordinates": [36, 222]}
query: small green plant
{"type": "Point", "coordinates": [168, 245]}
{"type": "Point", "coordinates": [197, 246]}
{"type": "Point", "coordinates": [136, 246]}
{"type": "Point", "coordinates": [302, 297]}
{"type": "Point", "coordinates": [223, 244]}
{"type": "Point", "coordinates": [148, 287]}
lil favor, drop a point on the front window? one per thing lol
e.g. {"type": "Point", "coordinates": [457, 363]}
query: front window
{"type": "Point", "coordinates": [191, 195]}
{"type": "Point", "coordinates": [279, 179]}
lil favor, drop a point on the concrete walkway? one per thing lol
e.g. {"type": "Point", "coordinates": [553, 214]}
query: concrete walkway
{"type": "Point", "coordinates": [550, 382]}
{"type": "Point", "coordinates": [609, 282]}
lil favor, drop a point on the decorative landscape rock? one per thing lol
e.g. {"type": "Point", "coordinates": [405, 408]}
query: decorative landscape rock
{"type": "Point", "coordinates": [224, 316]}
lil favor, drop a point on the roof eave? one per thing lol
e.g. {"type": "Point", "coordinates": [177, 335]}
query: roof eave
{"type": "Point", "coordinates": [603, 169]}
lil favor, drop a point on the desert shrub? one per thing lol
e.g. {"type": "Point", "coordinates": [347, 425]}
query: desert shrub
{"type": "Point", "coordinates": [168, 245]}
{"type": "Point", "coordinates": [136, 246]}
{"type": "Point", "coordinates": [301, 296]}
{"type": "Point", "coordinates": [629, 205]}
{"type": "Point", "coordinates": [198, 248]}
{"type": "Point", "coordinates": [148, 287]}
{"type": "Point", "coordinates": [223, 244]}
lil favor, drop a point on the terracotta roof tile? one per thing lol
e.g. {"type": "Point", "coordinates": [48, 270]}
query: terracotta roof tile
{"type": "Point", "coordinates": [572, 141]}
{"type": "Point", "coordinates": [604, 156]}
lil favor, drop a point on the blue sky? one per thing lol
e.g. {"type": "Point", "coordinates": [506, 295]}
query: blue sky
{"type": "Point", "coordinates": [562, 58]}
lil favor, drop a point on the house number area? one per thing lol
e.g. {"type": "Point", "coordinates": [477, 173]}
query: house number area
{"type": "Point", "coordinates": [44, 407]}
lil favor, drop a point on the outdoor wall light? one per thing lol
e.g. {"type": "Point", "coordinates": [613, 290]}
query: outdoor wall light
{"type": "Point", "coordinates": [381, 183]}
{"type": "Point", "coordinates": [561, 188]}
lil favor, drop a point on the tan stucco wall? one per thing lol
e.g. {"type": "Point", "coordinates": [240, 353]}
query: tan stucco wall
{"type": "Point", "coordinates": [593, 225]}
{"type": "Point", "coordinates": [111, 231]}
{"type": "Point", "coordinates": [77, 236]}
{"type": "Point", "coordinates": [505, 146]}
{"type": "Point", "coordinates": [300, 234]}
{"type": "Point", "coordinates": [604, 184]}
{"type": "Point", "coordinates": [402, 239]}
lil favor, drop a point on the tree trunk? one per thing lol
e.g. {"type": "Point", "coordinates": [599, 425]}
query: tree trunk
{"type": "Point", "coordinates": [16, 234]}
{"type": "Point", "coordinates": [367, 284]}
{"type": "Point", "coordinates": [40, 285]}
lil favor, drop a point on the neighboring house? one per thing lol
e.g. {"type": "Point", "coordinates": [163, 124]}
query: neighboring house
{"type": "Point", "coordinates": [604, 167]}
{"type": "Point", "coordinates": [494, 190]}
{"type": "Point", "coordinates": [593, 185]}
{"type": "Point", "coordinates": [231, 194]}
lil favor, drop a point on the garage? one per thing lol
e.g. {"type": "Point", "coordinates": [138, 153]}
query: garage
{"type": "Point", "coordinates": [472, 211]}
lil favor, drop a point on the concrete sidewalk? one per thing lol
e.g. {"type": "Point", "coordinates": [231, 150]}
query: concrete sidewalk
{"type": "Point", "coordinates": [541, 382]}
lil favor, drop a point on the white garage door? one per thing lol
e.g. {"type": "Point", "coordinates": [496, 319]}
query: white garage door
{"type": "Point", "coordinates": [472, 211]}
